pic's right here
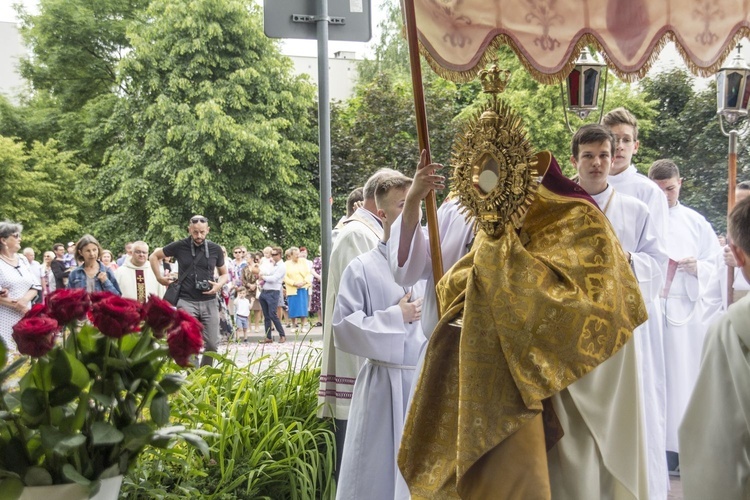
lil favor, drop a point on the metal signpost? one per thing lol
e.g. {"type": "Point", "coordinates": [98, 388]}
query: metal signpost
{"type": "Point", "coordinates": [349, 20]}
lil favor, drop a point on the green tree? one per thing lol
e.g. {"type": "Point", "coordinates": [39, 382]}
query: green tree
{"type": "Point", "coordinates": [213, 123]}
{"type": "Point", "coordinates": [686, 130]}
{"type": "Point", "coordinates": [40, 193]}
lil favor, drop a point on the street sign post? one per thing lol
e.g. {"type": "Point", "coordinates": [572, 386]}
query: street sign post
{"type": "Point", "coordinates": [310, 19]}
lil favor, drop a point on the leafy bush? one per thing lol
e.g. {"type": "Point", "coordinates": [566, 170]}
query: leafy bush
{"type": "Point", "coordinates": [265, 439]}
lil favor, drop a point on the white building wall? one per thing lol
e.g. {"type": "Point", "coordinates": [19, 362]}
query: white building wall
{"type": "Point", "coordinates": [11, 51]}
{"type": "Point", "coordinates": [342, 73]}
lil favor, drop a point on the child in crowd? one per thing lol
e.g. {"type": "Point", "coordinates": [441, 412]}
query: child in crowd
{"type": "Point", "coordinates": [242, 311]}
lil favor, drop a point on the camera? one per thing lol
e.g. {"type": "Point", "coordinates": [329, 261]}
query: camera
{"type": "Point", "coordinates": [203, 285]}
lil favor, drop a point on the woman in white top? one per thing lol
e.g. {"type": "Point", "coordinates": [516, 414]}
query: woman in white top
{"type": "Point", "coordinates": [19, 284]}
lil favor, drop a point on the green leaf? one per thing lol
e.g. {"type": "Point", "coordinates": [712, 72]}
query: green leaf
{"type": "Point", "coordinates": [171, 382]}
{"type": "Point", "coordinates": [79, 374]}
{"type": "Point", "coordinates": [60, 369]}
{"type": "Point", "coordinates": [104, 399]}
{"type": "Point", "coordinates": [86, 338]}
{"type": "Point", "coordinates": [71, 473]}
{"type": "Point", "coordinates": [63, 394]}
{"type": "Point", "coordinates": [128, 343]}
{"type": "Point", "coordinates": [82, 409]}
{"type": "Point", "coordinates": [136, 436]}
{"type": "Point", "coordinates": [104, 433]}
{"type": "Point", "coordinates": [196, 441]}
{"type": "Point", "coordinates": [42, 374]}
{"type": "Point", "coordinates": [32, 401]}
{"type": "Point", "coordinates": [11, 488]}
{"type": "Point", "coordinates": [160, 409]}
{"type": "Point", "coordinates": [59, 442]}
{"type": "Point", "coordinates": [37, 476]}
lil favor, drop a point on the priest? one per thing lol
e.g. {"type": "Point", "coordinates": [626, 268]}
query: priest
{"type": "Point", "coordinates": [135, 276]}
{"type": "Point", "coordinates": [530, 318]}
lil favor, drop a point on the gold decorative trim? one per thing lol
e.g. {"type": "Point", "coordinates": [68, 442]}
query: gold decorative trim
{"type": "Point", "coordinates": [590, 40]}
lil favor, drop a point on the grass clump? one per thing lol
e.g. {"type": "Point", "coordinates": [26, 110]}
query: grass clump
{"type": "Point", "coordinates": [261, 426]}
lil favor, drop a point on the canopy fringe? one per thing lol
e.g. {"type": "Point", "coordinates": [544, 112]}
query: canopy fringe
{"type": "Point", "coordinates": [586, 40]}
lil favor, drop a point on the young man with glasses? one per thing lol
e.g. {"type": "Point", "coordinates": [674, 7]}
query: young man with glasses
{"type": "Point", "coordinates": [272, 277]}
{"type": "Point", "coordinates": [198, 259]}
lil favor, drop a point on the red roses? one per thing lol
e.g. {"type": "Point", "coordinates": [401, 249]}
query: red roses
{"type": "Point", "coordinates": [114, 316]}
{"type": "Point", "coordinates": [66, 305]}
{"type": "Point", "coordinates": [159, 315]}
{"type": "Point", "coordinates": [185, 339]}
{"type": "Point", "coordinates": [35, 335]}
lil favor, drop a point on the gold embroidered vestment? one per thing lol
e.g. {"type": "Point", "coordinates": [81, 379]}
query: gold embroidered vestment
{"type": "Point", "coordinates": [541, 308]}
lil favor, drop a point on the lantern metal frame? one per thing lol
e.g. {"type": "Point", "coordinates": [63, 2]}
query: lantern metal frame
{"type": "Point", "coordinates": [584, 65]}
{"type": "Point", "coordinates": [732, 87]}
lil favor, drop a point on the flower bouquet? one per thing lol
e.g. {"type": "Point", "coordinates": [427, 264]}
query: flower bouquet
{"type": "Point", "coordinates": [91, 401]}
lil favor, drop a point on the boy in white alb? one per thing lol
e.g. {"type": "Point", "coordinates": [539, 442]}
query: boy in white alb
{"type": "Point", "coordinates": [241, 311]}
{"type": "Point", "coordinates": [715, 434]}
{"type": "Point", "coordinates": [592, 150]}
{"type": "Point", "coordinates": [378, 320]}
{"type": "Point", "coordinates": [692, 248]}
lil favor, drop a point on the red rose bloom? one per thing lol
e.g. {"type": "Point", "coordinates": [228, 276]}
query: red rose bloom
{"type": "Point", "coordinates": [99, 296]}
{"type": "Point", "coordinates": [66, 305]}
{"type": "Point", "coordinates": [159, 315]}
{"type": "Point", "coordinates": [36, 311]}
{"type": "Point", "coordinates": [115, 316]}
{"type": "Point", "coordinates": [185, 339]}
{"type": "Point", "coordinates": [35, 336]}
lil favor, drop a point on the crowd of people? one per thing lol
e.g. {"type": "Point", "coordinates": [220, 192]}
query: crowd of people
{"type": "Point", "coordinates": [394, 353]}
{"type": "Point", "coordinates": [289, 290]}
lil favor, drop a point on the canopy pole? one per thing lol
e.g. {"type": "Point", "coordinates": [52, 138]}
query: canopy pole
{"type": "Point", "coordinates": [422, 135]}
{"type": "Point", "coordinates": [732, 178]}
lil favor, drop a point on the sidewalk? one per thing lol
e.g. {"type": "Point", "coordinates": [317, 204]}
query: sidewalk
{"type": "Point", "coordinates": [304, 346]}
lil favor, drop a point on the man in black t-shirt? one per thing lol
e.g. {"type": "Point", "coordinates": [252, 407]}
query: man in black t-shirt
{"type": "Point", "coordinates": [197, 258]}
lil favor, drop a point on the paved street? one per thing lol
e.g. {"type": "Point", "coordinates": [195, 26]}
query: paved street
{"type": "Point", "coordinates": [301, 348]}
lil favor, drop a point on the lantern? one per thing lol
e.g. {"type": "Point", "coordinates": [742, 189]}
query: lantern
{"type": "Point", "coordinates": [732, 90]}
{"type": "Point", "coordinates": [583, 84]}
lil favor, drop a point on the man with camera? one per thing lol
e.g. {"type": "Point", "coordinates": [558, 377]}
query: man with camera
{"type": "Point", "coordinates": [197, 259]}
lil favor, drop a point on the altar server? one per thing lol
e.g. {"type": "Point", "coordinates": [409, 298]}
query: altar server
{"type": "Point", "coordinates": [377, 320]}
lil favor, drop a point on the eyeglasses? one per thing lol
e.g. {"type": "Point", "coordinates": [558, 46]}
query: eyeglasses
{"type": "Point", "coordinates": [140, 252]}
{"type": "Point", "coordinates": [238, 251]}
{"type": "Point", "coordinates": [15, 235]}
{"type": "Point", "coordinates": [196, 220]}
{"type": "Point", "coordinates": [274, 254]}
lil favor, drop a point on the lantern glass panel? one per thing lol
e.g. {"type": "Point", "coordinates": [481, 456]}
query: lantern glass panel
{"type": "Point", "coordinates": [574, 79]}
{"type": "Point", "coordinates": [590, 87]}
{"type": "Point", "coordinates": [734, 81]}
{"type": "Point", "coordinates": [746, 97]}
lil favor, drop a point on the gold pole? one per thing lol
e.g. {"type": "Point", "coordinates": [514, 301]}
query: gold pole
{"type": "Point", "coordinates": [422, 135]}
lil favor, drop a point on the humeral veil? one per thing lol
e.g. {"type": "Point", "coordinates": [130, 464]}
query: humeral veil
{"type": "Point", "coordinates": [541, 307]}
